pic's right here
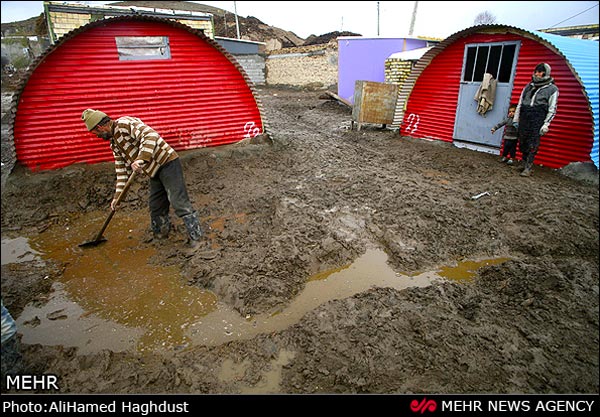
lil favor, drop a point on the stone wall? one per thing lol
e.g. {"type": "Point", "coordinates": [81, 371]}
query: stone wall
{"type": "Point", "coordinates": [204, 25]}
{"type": "Point", "coordinates": [62, 23]}
{"type": "Point", "coordinates": [397, 70]}
{"type": "Point", "coordinates": [254, 66]}
{"type": "Point", "coordinates": [312, 66]}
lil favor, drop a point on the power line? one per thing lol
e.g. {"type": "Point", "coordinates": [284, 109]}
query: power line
{"type": "Point", "coordinates": [595, 5]}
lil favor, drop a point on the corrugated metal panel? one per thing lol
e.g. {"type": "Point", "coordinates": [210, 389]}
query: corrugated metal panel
{"type": "Point", "coordinates": [409, 83]}
{"type": "Point", "coordinates": [583, 56]}
{"type": "Point", "coordinates": [571, 132]}
{"type": "Point", "coordinates": [432, 106]}
{"type": "Point", "coordinates": [200, 97]}
{"type": "Point", "coordinates": [429, 95]}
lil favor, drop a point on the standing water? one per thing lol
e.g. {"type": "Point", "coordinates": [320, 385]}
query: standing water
{"type": "Point", "coordinates": [113, 297]}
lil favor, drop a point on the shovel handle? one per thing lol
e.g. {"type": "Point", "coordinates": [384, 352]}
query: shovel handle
{"type": "Point", "coordinates": [112, 212]}
{"type": "Point", "coordinates": [125, 189]}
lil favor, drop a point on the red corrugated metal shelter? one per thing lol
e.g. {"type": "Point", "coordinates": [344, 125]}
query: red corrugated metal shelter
{"type": "Point", "coordinates": [439, 102]}
{"type": "Point", "coordinates": [186, 86]}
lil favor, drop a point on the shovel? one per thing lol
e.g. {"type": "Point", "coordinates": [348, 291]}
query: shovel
{"type": "Point", "coordinates": [99, 238]}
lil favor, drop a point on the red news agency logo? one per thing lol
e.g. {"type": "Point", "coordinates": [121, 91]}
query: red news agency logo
{"type": "Point", "coordinates": [423, 405]}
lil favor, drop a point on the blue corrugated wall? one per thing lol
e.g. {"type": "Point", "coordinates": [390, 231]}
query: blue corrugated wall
{"type": "Point", "coordinates": [583, 56]}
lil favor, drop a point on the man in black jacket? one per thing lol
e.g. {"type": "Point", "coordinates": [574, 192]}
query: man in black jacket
{"type": "Point", "coordinates": [535, 111]}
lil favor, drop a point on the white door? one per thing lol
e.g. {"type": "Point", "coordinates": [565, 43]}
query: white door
{"type": "Point", "coordinates": [498, 59]}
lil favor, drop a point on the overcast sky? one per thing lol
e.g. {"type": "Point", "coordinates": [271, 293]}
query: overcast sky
{"type": "Point", "coordinates": [434, 18]}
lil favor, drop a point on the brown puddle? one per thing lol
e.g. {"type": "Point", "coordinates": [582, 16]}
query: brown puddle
{"type": "Point", "coordinates": [112, 290]}
{"type": "Point", "coordinates": [112, 297]}
{"type": "Point", "coordinates": [368, 271]}
{"type": "Point", "coordinates": [467, 270]}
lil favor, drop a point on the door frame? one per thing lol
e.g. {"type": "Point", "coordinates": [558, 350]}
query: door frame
{"type": "Point", "coordinates": [479, 134]}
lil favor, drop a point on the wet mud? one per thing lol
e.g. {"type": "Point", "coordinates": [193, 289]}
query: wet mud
{"type": "Point", "coordinates": [340, 262]}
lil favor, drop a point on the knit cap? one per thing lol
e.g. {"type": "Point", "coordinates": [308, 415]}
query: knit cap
{"type": "Point", "coordinates": [92, 117]}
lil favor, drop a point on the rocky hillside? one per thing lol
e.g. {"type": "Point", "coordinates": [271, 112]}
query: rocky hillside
{"type": "Point", "coordinates": [251, 28]}
{"type": "Point", "coordinates": [326, 38]}
{"type": "Point", "coordinates": [34, 26]}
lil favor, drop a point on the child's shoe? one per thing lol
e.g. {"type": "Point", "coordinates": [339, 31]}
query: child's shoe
{"type": "Point", "coordinates": [503, 159]}
{"type": "Point", "coordinates": [510, 162]}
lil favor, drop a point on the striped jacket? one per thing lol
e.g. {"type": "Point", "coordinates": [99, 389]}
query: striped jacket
{"type": "Point", "coordinates": [510, 131]}
{"type": "Point", "coordinates": [132, 140]}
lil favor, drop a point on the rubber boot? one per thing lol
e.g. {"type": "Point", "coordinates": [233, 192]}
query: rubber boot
{"type": "Point", "coordinates": [161, 226]}
{"type": "Point", "coordinates": [195, 246]}
{"type": "Point", "coordinates": [192, 225]}
{"type": "Point", "coordinates": [527, 170]}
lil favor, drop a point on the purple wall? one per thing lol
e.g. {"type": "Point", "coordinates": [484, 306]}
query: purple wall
{"type": "Point", "coordinates": [364, 59]}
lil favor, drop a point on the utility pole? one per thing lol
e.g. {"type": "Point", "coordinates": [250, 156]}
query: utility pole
{"type": "Point", "coordinates": [412, 20]}
{"type": "Point", "coordinates": [237, 23]}
{"type": "Point", "coordinates": [377, 18]}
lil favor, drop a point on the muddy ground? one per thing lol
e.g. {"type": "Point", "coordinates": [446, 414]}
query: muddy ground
{"type": "Point", "coordinates": [316, 199]}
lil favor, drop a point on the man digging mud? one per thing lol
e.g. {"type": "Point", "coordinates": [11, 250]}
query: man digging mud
{"type": "Point", "coordinates": [138, 147]}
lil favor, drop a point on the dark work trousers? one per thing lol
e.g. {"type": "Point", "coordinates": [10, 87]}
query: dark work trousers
{"type": "Point", "coordinates": [510, 148]}
{"type": "Point", "coordinates": [168, 188]}
{"type": "Point", "coordinates": [530, 123]}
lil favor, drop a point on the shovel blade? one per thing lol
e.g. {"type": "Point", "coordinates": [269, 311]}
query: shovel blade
{"type": "Point", "coordinates": [92, 243]}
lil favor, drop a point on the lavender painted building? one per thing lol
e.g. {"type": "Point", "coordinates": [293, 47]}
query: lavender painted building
{"type": "Point", "coordinates": [361, 58]}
